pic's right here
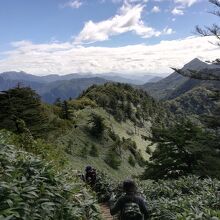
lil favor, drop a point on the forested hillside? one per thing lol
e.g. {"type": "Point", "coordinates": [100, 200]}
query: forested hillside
{"type": "Point", "coordinates": [113, 127]}
{"type": "Point", "coordinates": [113, 120]}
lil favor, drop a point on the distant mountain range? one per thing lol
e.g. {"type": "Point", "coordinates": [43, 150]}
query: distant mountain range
{"type": "Point", "coordinates": [50, 91]}
{"type": "Point", "coordinates": [123, 78]}
{"type": "Point", "coordinates": [51, 87]}
{"type": "Point", "coordinates": [54, 86]}
{"type": "Point", "coordinates": [65, 89]}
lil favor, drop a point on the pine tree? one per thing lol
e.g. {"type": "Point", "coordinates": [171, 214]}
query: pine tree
{"type": "Point", "coordinates": [97, 125]}
{"type": "Point", "coordinates": [22, 103]}
{"type": "Point", "coordinates": [182, 150]}
{"type": "Point", "coordinates": [65, 110]}
{"type": "Point", "coordinates": [58, 102]}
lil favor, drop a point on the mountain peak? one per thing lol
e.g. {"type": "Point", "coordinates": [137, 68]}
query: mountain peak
{"type": "Point", "coordinates": [195, 64]}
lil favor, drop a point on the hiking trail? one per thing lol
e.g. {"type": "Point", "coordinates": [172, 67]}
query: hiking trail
{"type": "Point", "coordinates": [105, 212]}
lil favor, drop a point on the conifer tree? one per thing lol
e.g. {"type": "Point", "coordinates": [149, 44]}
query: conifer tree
{"type": "Point", "coordinates": [65, 110]}
{"type": "Point", "coordinates": [183, 149]}
{"type": "Point", "coordinates": [97, 125]}
{"type": "Point", "coordinates": [21, 103]}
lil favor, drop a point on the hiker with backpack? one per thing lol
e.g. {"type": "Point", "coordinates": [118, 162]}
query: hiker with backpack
{"type": "Point", "coordinates": [90, 176]}
{"type": "Point", "coordinates": [130, 206]}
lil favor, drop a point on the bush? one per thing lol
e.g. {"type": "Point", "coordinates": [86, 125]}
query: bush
{"type": "Point", "coordinates": [183, 149]}
{"type": "Point", "coordinates": [113, 160]}
{"type": "Point", "coordinates": [97, 125]}
{"type": "Point", "coordinates": [30, 189]}
{"type": "Point", "coordinates": [185, 198]}
{"type": "Point", "coordinates": [131, 160]}
{"type": "Point", "coordinates": [94, 151]}
{"type": "Point", "coordinates": [84, 152]}
{"type": "Point", "coordinates": [148, 150]}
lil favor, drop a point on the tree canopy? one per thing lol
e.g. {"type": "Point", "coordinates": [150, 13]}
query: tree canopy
{"type": "Point", "coordinates": [21, 103]}
{"type": "Point", "coordinates": [183, 149]}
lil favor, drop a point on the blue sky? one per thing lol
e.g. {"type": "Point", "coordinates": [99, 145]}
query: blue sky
{"type": "Point", "coordinates": [36, 34]}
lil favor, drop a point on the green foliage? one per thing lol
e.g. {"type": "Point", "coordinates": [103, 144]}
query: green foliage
{"type": "Point", "coordinates": [69, 147]}
{"type": "Point", "coordinates": [125, 102]}
{"type": "Point", "coordinates": [148, 150]}
{"type": "Point", "coordinates": [112, 159]}
{"type": "Point", "coordinates": [22, 104]}
{"type": "Point", "coordinates": [132, 147]}
{"type": "Point", "coordinates": [103, 187]}
{"type": "Point", "coordinates": [29, 189]}
{"type": "Point", "coordinates": [65, 110]}
{"type": "Point", "coordinates": [82, 103]}
{"type": "Point", "coordinates": [94, 151]}
{"type": "Point", "coordinates": [97, 125]}
{"type": "Point", "coordinates": [131, 160]}
{"type": "Point", "coordinates": [50, 152]}
{"type": "Point", "coordinates": [83, 152]}
{"type": "Point", "coordinates": [185, 198]}
{"type": "Point", "coordinates": [184, 149]}
{"type": "Point", "coordinates": [58, 102]}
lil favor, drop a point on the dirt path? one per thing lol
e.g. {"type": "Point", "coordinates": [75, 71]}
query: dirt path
{"type": "Point", "coordinates": [105, 212]}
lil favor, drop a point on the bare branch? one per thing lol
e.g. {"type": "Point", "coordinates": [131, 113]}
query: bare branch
{"type": "Point", "coordinates": [206, 74]}
{"type": "Point", "coordinates": [215, 2]}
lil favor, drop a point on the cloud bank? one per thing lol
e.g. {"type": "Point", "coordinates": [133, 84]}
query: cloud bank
{"type": "Point", "coordinates": [63, 58]}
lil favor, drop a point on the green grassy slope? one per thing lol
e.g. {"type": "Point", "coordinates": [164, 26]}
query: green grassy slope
{"type": "Point", "coordinates": [75, 139]}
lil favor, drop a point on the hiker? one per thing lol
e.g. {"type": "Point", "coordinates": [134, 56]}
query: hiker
{"type": "Point", "coordinates": [130, 206]}
{"type": "Point", "coordinates": [90, 176]}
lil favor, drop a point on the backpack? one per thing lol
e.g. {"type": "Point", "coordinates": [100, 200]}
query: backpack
{"type": "Point", "coordinates": [132, 210]}
{"type": "Point", "coordinates": [91, 176]}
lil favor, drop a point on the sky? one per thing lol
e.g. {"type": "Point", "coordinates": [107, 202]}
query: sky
{"type": "Point", "coordinates": [103, 36]}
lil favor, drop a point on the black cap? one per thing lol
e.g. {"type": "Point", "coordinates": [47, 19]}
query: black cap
{"type": "Point", "coordinates": [88, 168]}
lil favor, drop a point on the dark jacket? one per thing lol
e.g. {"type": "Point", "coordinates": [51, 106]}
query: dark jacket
{"type": "Point", "coordinates": [91, 176]}
{"type": "Point", "coordinates": [129, 197]}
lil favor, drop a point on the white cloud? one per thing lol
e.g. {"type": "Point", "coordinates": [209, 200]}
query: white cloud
{"type": "Point", "coordinates": [130, 1]}
{"type": "Point", "coordinates": [168, 31]}
{"type": "Point", "coordinates": [128, 19]}
{"type": "Point", "coordinates": [187, 3]}
{"type": "Point", "coordinates": [66, 57]}
{"type": "Point", "coordinates": [177, 11]}
{"type": "Point", "coordinates": [72, 4]}
{"type": "Point", "coordinates": [181, 5]}
{"type": "Point", "coordinates": [155, 9]}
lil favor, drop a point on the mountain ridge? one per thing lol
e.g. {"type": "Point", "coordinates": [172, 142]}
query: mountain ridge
{"type": "Point", "coordinates": [175, 84]}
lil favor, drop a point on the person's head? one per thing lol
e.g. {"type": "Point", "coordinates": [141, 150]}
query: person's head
{"type": "Point", "coordinates": [88, 168]}
{"type": "Point", "coordinates": [129, 186]}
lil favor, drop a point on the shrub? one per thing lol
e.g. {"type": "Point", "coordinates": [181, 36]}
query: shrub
{"type": "Point", "coordinates": [30, 189]}
{"type": "Point", "coordinates": [84, 152]}
{"type": "Point", "coordinates": [148, 150]}
{"type": "Point", "coordinates": [97, 125]}
{"type": "Point", "coordinates": [185, 198]}
{"type": "Point", "coordinates": [94, 151]}
{"type": "Point", "coordinates": [131, 160]}
{"type": "Point", "coordinates": [113, 160]}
